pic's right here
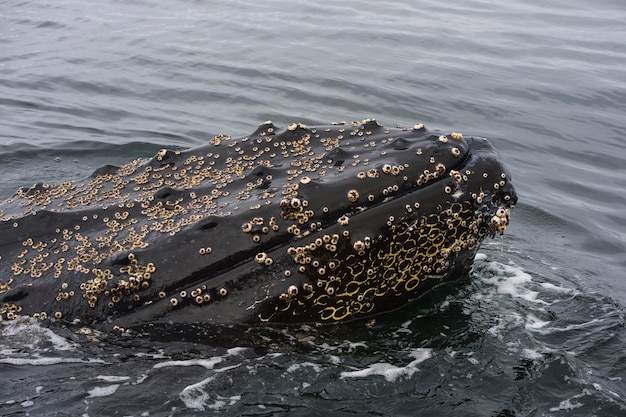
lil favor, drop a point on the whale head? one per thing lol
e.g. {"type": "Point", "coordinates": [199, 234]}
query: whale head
{"type": "Point", "coordinates": [295, 224]}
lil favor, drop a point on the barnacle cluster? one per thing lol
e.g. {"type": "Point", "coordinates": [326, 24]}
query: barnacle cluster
{"type": "Point", "coordinates": [353, 217]}
{"type": "Point", "coordinates": [386, 271]}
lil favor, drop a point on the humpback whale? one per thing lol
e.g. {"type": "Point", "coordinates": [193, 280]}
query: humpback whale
{"type": "Point", "coordinates": [295, 224]}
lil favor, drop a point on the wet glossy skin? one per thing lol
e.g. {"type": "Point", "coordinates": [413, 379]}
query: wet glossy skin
{"type": "Point", "coordinates": [303, 224]}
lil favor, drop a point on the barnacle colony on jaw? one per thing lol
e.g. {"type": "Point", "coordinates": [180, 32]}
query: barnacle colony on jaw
{"type": "Point", "coordinates": [332, 222]}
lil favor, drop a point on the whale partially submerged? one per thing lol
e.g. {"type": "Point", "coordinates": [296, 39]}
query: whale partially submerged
{"type": "Point", "coordinates": [296, 224]}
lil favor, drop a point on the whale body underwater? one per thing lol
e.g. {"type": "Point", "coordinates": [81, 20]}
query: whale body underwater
{"type": "Point", "coordinates": [297, 224]}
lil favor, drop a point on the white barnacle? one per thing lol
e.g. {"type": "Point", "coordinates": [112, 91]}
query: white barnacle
{"type": "Point", "coordinates": [292, 291]}
{"type": "Point", "coordinates": [353, 195]}
{"type": "Point", "coordinates": [359, 245]}
{"type": "Point", "coordinates": [261, 257]}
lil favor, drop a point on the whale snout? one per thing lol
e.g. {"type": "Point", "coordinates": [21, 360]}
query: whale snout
{"type": "Point", "coordinates": [489, 185]}
{"type": "Point", "coordinates": [296, 224]}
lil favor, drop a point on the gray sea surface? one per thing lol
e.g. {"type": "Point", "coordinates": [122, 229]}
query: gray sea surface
{"type": "Point", "coordinates": [538, 327]}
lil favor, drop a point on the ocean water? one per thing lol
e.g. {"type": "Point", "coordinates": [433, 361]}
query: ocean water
{"type": "Point", "coordinates": [538, 327]}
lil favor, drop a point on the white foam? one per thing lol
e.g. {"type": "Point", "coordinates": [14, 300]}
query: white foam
{"type": "Point", "coordinates": [512, 319]}
{"type": "Point", "coordinates": [335, 360]}
{"type": "Point", "coordinates": [532, 354]}
{"type": "Point", "coordinates": [29, 333]}
{"type": "Point", "coordinates": [112, 378]}
{"type": "Point", "coordinates": [236, 351]}
{"type": "Point", "coordinates": [346, 346]}
{"type": "Point", "coordinates": [578, 326]}
{"type": "Point", "coordinates": [141, 379]}
{"type": "Point", "coordinates": [196, 397]}
{"type": "Point", "coordinates": [404, 328]}
{"type": "Point", "coordinates": [206, 363]}
{"type": "Point", "coordinates": [510, 280]}
{"type": "Point", "coordinates": [556, 288]}
{"type": "Point", "coordinates": [614, 394]}
{"type": "Point", "coordinates": [159, 355]}
{"type": "Point", "coordinates": [392, 372]}
{"type": "Point", "coordinates": [355, 345]}
{"type": "Point", "coordinates": [47, 361]}
{"type": "Point", "coordinates": [103, 391]}
{"type": "Point", "coordinates": [566, 405]}
{"type": "Point", "coordinates": [534, 324]}
{"type": "Point", "coordinates": [297, 366]}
